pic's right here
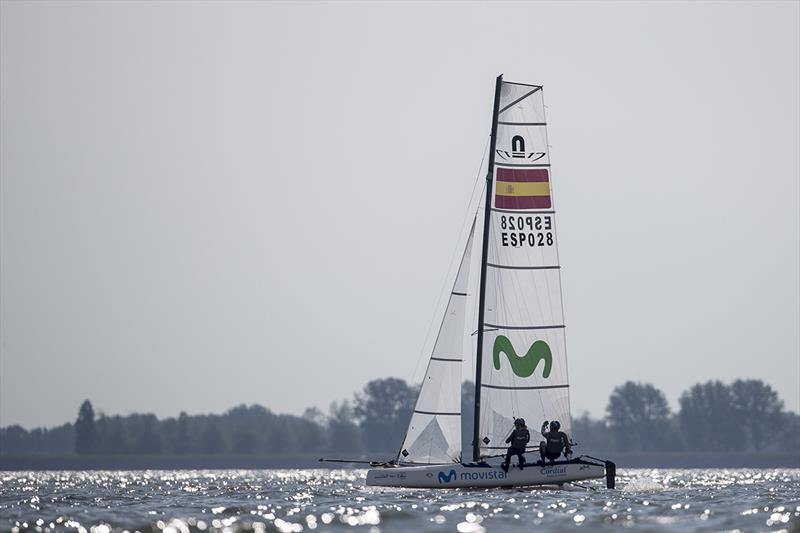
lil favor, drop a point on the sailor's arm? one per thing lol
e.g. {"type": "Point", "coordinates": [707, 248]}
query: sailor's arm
{"type": "Point", "coordinates": [567, 446]}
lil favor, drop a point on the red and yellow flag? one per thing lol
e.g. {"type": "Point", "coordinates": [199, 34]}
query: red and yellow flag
{"type": "Point", "coordinates": [522, 188]}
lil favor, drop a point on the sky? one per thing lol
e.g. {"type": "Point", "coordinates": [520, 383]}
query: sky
{"type": "Point", "coordinates": [207, 204]}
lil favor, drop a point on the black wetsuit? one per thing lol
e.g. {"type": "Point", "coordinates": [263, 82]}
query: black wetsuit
{"type": "Point", "coordinates": [555, 442]}
{"type": "Point", "coordinates": [519, 438]}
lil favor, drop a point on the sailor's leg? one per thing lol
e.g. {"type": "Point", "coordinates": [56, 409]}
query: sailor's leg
{"type": "Point", "coordinates": [509, 454]}
{"type": "Point", "coordinates": [542, 446]}
{"type": "Point", "coordinates": [521, 460]}
{"type": "Point", "coordinates": [505, 464]}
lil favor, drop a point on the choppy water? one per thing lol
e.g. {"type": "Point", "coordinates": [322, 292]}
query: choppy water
{"type": "Point", "coordinates": [338, 500]}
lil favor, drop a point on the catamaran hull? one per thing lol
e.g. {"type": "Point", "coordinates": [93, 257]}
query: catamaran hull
{"type": "Point", "coordinates": [483, 475]}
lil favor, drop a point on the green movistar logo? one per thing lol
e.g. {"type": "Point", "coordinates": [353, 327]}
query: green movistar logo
{"type": "Point", "coordinates": [525, 365]}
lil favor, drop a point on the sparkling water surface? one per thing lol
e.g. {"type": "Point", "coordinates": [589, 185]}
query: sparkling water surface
{"type": "Point", "coordinates": [339, 500]}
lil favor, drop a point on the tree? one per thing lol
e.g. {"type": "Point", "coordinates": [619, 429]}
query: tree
{"type": "Point", "coordinates": [592, 435]}
{"type": "Point", "coordinates": [343, 434]}
{"type": "Point", "coordinates": [15, 440]}
{"type": "Point", "coordinates": [85, 437]}
{"type": "Point", "coordinates": [312, 427]}
{"type": "Point", "coordinates": [758, 410]}
{"type": "Point", "coordinates": [182, 443]}
{"type": "Point", "coordinates": [708, 418]}
{"type": "Point", "coordinates": [146, 434]}
{"type": "Point", "coordinates": [384, 410]}
{"type": "Point", "coordinates": [638, 415]}
{"type": "Point", "coordinates": [212, 438]}
{"type": "Point", "coordinates": [111, 436]}
{"type": "Point", "coordinates": [314, 415]}
{"type": "Point", "coordinates": [788, 434]}
{"type": "Point", "coordinates": [243, 440]}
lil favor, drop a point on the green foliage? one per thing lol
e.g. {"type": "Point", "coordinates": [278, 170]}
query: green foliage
{"type": "Point", "coordinates": [713, 416]}
{"type": "Point", "coordinates": [707, 418]}
{"type": "Point", "coordinates": [787, 434]}
{"type": "Point", "coordinates": [592, 435]}
{"type": "Point", "coordinates": [85, 437]}
{"type": "Point", "coordinates": [758, 409]}
{"type": "Point", "coordinates": [639, 418]}
{"type": "Point", "coordinates": [383, 410]}
{"type": "Point", "coordinates": [15, 440]}
{"type": "Point", "coordinates": [746, 415]}
{"type": "Point", "coordinates": [343, 433]}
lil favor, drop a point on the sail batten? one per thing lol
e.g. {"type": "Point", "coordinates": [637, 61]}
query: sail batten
{"type": "Point", "coordinates": [540, 387]}
{"type": "Point", "coordinates": [496, 326]}
{"type": "Point", "coordinates": [524, 267]}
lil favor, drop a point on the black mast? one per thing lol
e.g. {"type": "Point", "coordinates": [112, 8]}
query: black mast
{"type": "Point", "coordinates": [476, 446]}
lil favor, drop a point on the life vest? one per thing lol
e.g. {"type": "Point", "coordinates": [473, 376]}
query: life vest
{"type": "Point", "coordinates": [520, 438]}
{"type": "Point", "coordinates": [555, 442]}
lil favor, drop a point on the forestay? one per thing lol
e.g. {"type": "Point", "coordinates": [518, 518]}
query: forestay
{"type": "Point", "coordinates": [524, 366]}
{"type": "Point", "coordinates": [434, 433]}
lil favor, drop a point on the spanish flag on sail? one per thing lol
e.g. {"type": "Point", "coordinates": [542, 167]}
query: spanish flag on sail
{"type": "Point", "coordinates": [522, 188]}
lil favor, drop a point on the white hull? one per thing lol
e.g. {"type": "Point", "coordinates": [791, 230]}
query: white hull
{"type": "Point", "coordinates": [483, 475]}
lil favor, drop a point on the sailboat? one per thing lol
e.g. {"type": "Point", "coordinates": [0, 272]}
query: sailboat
{"type": "Point", "coordinates": [520, 353]}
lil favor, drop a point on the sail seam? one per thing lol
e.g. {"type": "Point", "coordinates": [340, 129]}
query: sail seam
{"type": "Point", "coordinates": [436, 413]}
{"type": "Point", "coordinates": [558, 326]}
{"type": "Point", "coordinates": [538, 387]}
{"type": "Point", "coordinates": [522, 84]}
{"type": "Point", "coordinates": [518, 100]}
{"type": "Point", "coordinates": [550, 267]}
{"type": "Point", "coordinates": [403, 463]}
{"type": "Point", "coordinates": [527, 448]}
{"type": "Point", "coordinates": [445, 359]}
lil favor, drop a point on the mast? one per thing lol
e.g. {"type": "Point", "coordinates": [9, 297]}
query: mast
{"type": "Point", "coordinates": [476, 447]}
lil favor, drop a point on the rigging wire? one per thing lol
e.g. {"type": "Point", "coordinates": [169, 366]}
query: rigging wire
{"type": "Point", "coordinates": [423, 352]}
{"type": "Point", "coordinates": [442, 290]}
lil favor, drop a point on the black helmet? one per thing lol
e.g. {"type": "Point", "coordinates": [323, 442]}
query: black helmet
{"type": "Point", "coordinates": [554, 425]}
{"type": "Point", "coordinates": [519, 422]}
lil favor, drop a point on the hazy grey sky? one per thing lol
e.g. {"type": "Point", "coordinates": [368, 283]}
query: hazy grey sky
{"type": "Point", "coordinates": [208, 204]}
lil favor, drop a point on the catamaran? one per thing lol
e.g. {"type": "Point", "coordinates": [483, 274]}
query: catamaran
{"type": "Point", "coordinates": [520, 352]}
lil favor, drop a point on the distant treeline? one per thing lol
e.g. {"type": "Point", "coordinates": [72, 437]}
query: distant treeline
{"type": "Point", "coordinates": [746, 415]}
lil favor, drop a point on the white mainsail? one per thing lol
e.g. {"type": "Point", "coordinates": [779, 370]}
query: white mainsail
{"type": "Point", "coordinates": [524, 366]}
{"type": "Point", "coordinates": [434, 433]}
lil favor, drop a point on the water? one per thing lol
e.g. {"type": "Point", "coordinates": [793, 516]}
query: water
{"type": "Point", "coordinates": [338, 500]}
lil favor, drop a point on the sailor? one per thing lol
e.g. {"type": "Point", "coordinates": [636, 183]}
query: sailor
{"type": "Point", "coordinates": [519, 438]}
{"type": "Point", "coordinates": [555, 442]}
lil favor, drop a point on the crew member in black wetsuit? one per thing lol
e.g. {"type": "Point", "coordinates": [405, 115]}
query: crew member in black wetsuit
{"type": "Point", "coordinates": [519, 438]}
{"type": "Point", "coordinates": [555, 442]}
